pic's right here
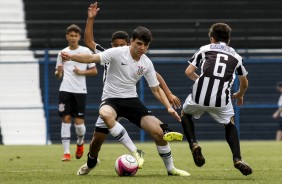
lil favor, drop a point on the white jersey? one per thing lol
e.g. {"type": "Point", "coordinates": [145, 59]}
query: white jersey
{"type": "Point", "coordinates": [280, 104]}
{"type": "Point", "coordinates": [125, 72]}
{"type": "Point", "coordinates": [72, 82]}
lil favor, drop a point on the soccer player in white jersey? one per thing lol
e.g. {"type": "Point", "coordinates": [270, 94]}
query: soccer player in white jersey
{"type": "Point", "coordinates": [278, 113]}
{"type": "Point", "coordinates": [119, 39]}
{"type": "Point", "coordinates": [119, 99]}
{"type": "Point", "coordinates": [72, 92]}
{"type": "Point", "coordinates": [211, 92]}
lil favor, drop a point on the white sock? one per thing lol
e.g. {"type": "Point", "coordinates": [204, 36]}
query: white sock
{"type": "Point", "coordinates": [121, 135]}
{"type": "Point", "coordinates": [65, 136]}
{"type": "Point", "coordinates": [165, 154]}
{"type": "Point", "coordinates": [80, 132]}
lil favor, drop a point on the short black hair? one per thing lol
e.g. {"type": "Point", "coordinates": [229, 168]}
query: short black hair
{"type": "Point", "coordinates": [120, 35]}
{"type": "Point", "coordinates": [74, 28]}
{"type": "Point", "coordinates": [220, 32]}
{"type": "Point", "coordinates": [143, 34]}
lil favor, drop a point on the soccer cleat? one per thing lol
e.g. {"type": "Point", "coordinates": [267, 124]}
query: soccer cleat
{"type": "Point", "coordinates": [138, 155]}
{"type": "Point", "coordinates": [169, 134]}
{"type": "Point", "coordinates": [79, 151]}
{"type": "Point", "coordinates": [177, 172]}
{"type": "Point", "coordinates": [243, 167]}
{"type": "Point", "coordinates": [173, 136]}
{"type": "Point", "coordinates": [66, 157]}
{"type": "Point", "coordinates": [83, 170]}
{"type": "Point", "coordinates": [197, 155]}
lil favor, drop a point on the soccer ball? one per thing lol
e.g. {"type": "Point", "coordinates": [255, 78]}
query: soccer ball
{"type": "Point", "coordinates": [126, 165]}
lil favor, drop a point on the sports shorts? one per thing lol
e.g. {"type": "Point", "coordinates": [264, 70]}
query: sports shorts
{"type": "Point", "coordinates": [220, 114]}
{"type": "Point", "coordinates": [130, 108]}
{"type": "Point", "coordinates": [72, 104]}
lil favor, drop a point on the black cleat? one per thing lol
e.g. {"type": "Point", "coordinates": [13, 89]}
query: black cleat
{"type": "Point", "coordinates": [243, 167]}
{"type": "Point", "coordinates": [197, 155]}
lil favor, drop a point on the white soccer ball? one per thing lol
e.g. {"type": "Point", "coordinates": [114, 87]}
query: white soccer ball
{"type": "Point", "coordinates": [126, 165]}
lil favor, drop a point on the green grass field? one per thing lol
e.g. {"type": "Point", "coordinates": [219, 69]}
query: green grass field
{"type": "Point", "coordinates": [42, 164]}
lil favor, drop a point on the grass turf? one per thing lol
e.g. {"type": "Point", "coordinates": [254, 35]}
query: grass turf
{"type": "Point", "coordinates": [42, 164]}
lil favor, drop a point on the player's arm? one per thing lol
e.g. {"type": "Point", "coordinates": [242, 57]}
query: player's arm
{"type": "Point", "coordinates": [190, 72]}
{"type": "Point", "coordinates": [160, 95]}
{"type": "Point", "coordinates": [80, 58]}
{"type": "Point", "coordinates": [242, 89]}
{"type": "Point", "coordinates": [89, 72]}
{"type": "Point", "coordinates": [89, 35]}
{"type": "Point", "coordinates": [174, 100]}
{"type": "Point", "coordinates": [59, 72]}
{"type": "Point", "coordinates": [277, 113]}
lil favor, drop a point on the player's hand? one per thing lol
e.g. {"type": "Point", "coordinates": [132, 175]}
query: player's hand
{"type": "Point", "coordinates": [239, 98]}
{"type": "Point", "coordinates": [65, 56]}
{"type": "Point", "coordinates": [174, 114]}
{"type": "Point", "coordinates": [77, 71]}
{"type": "Point", "coordinates": [174, 101]}
{"type": "Point", "coordinates": [93, 10]}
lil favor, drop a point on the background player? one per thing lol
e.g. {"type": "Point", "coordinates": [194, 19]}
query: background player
{"type": "Point", "coordinates": [72, 92]}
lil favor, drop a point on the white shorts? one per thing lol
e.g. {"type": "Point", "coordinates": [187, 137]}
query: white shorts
{"type": "Point", "coordinates": [220, 114]}
{"type": "Point", "coordinates": [101, 124]}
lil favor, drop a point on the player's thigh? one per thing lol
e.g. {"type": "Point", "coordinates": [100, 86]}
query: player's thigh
{"type": "Point", "coordinates": [151, 125]}
{"type": "Point", "coordinates": [190, 107]}
{"type": "Point", "coordinates": [221, 114]}
{"type": "Point", "coordinates": [78, 105]}
{"type": "Point", "coordinates": [65, 104]}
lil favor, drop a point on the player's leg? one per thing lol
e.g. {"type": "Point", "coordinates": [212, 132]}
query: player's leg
{"type": "Point", "coordinates": [79, 105]}
{"type": "Point", "coordinates": [65, 111]}
{"type": "Point", "coordinates": [189, 109]}
{"type": "Point", "coordinates": [225, 115]}
{"type": "Point", "coordinates": [66, 136]}
{"type": "Point", "coordinates": [99, 135]}
{"type": "Point", "coordinates": [108, 114]}
{"type": "Point", "coordinates": [279, 131]}
{"type": "Point", "coordinates": [231, 135]}
{"type": "Point", "coordinates": [169, 134]}
{"type": "Point", "coordinates": [151, 125]}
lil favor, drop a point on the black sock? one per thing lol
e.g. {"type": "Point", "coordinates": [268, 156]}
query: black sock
{"type": "Point", "coordinates": [231, 136]}
{"type": "Point", "coordinates": [165, 128]}
{"type": "Point", "coordinates": [91, 162]}
{"type": "Point", "coordinates": [188, 128]}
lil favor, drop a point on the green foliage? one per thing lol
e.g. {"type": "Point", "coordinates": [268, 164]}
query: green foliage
{"type": "Point", "coordinates": [42, 164]}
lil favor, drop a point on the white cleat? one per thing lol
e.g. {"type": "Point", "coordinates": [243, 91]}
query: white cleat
{"type": "Point", "coordinates": [138, 155]}
{"type": "Point", "coordinates": [177, 172]}
{"type": "Point", "coordinates": [83, 170]}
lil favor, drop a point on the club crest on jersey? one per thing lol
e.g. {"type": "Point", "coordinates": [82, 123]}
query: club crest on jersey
{"type": "Point", "coordinates": [140, 70]}
{"type": "Point", "coordinates": [61, 107]}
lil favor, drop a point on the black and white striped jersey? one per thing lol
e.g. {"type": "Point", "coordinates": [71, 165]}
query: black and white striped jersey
{"type": "Point", "coordinates": [98, 49]}
{"type": "Point", "coordinates": [219, 63]}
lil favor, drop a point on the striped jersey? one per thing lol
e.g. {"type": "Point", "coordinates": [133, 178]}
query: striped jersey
{"type": "Point", "coordinates": [219, 64]}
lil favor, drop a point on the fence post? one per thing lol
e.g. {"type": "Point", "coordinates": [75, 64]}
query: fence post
{"type": "Point", "coordinates": [142, 98]}
{"type": "Point", "coordinates": [46, 92]}
{"type": "Point", "coordinates": [236, 108]}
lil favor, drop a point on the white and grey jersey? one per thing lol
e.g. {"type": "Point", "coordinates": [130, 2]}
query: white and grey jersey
{"type": "Point", "coordinates": [280, 104]}
{"type": "Point", "coordinates": [124, 73]}
{"type": "Point", "coordinates": [219, 63]}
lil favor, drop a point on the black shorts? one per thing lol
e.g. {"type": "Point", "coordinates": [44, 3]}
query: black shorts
{"type": "Point", "coordinates": [129, 108]}
{"type": "Point", "coordinates": [72, 104]}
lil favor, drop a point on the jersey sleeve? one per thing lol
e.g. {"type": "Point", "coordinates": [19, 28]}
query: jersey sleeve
{"type": "Point", "coordinates": [59, 60]}
{"type": "Point", "coordinates": [196, 59]}
{"type": "Point", "coordinates": [106, 56]}
{"type": "Point", "coordinates": [151, 76]}
{"type": "Point", "coordinates": [241, 70]}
